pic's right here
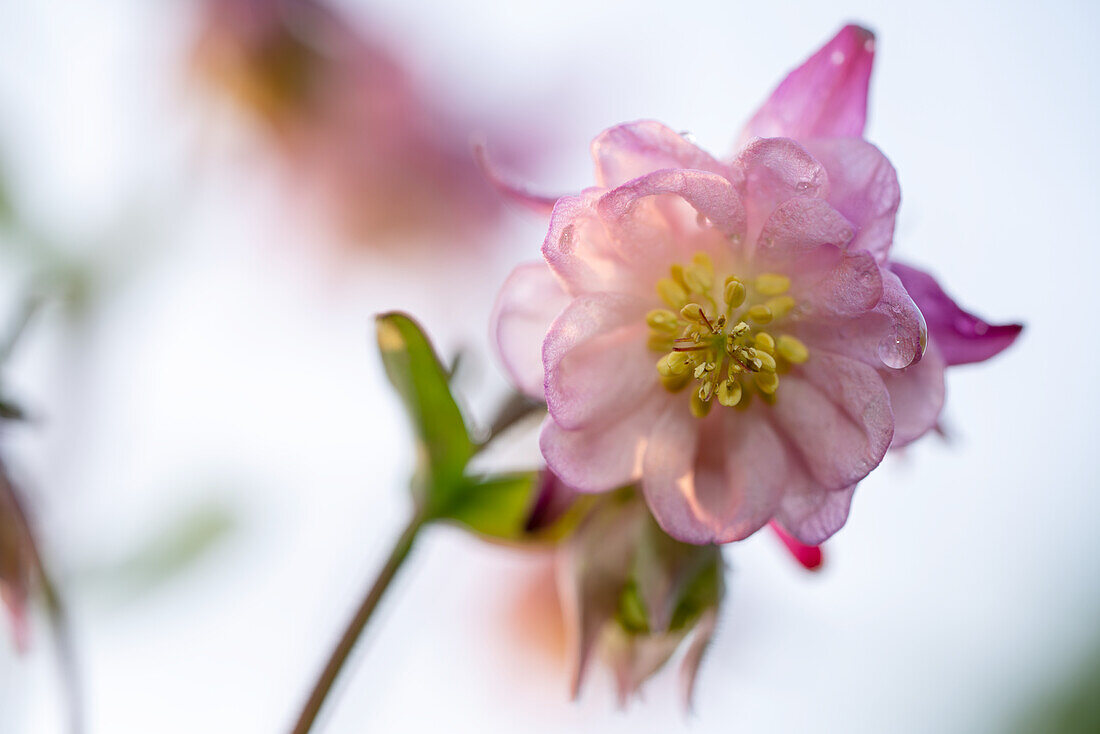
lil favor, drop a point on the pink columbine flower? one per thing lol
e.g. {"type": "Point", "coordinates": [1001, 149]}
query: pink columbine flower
{"type": "Point", "coordinates": [732, 334]}
{"type": "Point", "coordinates": [346, 117]}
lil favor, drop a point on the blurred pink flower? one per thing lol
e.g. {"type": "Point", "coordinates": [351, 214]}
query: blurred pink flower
{"type": "Point", "coordinates": [762, 284]}
{"type": "Point", "coordinates": [17, 560]}
{"type": "Point", "coordinates": [346, 117]}
{"type": "Point", "coordinates": [627, 592]}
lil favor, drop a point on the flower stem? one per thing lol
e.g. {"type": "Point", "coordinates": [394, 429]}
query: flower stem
{"type": "Point", "coordinates": [355, 628]}
{"type": "Point", "coordinates": [22, 319]}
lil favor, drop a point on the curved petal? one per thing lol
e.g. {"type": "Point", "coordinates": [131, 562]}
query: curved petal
{"type": "Point", "coordinates": [600, 458]}
{"type": "Point", "coordinates": [633, 149]}
{"type": "Point", "coordinates": [801, 225]}
{"type": "Point", "coordinates": [835, 414]}
{"type": "Point", "coordinates": [775, 170]}
{"type": "Point", "coordinates": [813, 515]}
{"type": "Point", "coordinates": [717, 490]}
{"type": "Point", "coordinates": [528, 303]}
{"type": "Point", "coordinates": [520, 194]}
{"type": "Point", "coordinates": [916, 396]}
{"type": "Point", "coordinates": [710, 194]}
{"type": "Point", "coordinates": [853, 286]}
{"type": "Point", "coordinates": [893, 333]}
{"type": "Point", "coordinates": [863, 186]}
{"type": "Point", "coordinates": [826, 97]}
{"type": "Point", "coordinates": [597, 359]}
{"type": "Point", "coordinates": [579, 250]}
{"type": "Point", "coordinates": [961, 337]}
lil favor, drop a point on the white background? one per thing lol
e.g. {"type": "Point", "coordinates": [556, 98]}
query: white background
{"type": "Point", "coordinates": [231, 362]}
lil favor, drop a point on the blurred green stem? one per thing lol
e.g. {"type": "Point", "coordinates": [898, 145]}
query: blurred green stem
{"type": "Point", "coordinates": [22, 319]}
{"type": "Point", "coordinates": [355, 628]}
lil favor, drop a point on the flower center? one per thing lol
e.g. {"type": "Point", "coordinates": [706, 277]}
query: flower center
{"type": "Point", "coordinates": [720, 341]}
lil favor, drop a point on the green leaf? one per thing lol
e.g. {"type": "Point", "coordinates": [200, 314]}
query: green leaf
{"type": "Point", "coordinates": [497, 507]}
{"type": "Point", "coordinates": [444, 445]}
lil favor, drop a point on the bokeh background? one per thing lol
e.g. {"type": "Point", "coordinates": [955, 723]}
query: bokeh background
{"type": "Point", "coordinates": [216, 464]}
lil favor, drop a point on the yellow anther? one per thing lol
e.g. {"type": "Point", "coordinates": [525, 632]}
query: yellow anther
{"type": "Point", "coordinates": [767, 382]}
{"type": "Point", "coordinates": [662, 319]}
{"type": "Point", "coordinates": [659, 341]}
{"type": "Point", "coordinates": [704, 268]}
{"type": "Point", "coordinates": [673, 363]}
{"type": "Point", "coordinates": [699, 407]}
{"type": "Point", "coordinates": [763, 341]}
{"type": "Point", "coordinates": [702, 368]}
{"type": "Point", "coordinates": [735, 369]}
{"type": "Point", "coordinates": [772, 284]}
{"type": "Point", "coordinates": [767, 361]}
{"type": "Point", "coordinates": [694, 312]}
{"type": "Point", "coordinates": [740, 329]}
{"type": "Point", "coordinates": [672, 292]}
{"type": "Point", "coordinates": [704, 391]}
{"type": "Point", "coordinates": [729, 393]}
{"type": "Point", "coordinates": [677, 272]}
{"type": "Point", "coordinates": [760, 314]}
{"type": "Point", "coordinates": [734, 293]}
{"type": "Point", "coordinates": [791, 349]}
{"type": "Point", "coordinates": [675, 383]}
{"type": "Point", "coordinates": [780, 306]}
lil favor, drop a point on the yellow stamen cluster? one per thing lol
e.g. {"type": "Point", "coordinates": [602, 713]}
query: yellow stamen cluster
{"type": "Point", "coordinates": [721, 343]}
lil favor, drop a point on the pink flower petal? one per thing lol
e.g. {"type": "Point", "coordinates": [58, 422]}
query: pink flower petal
{"type": "Point", "coordinates": [529, 301]}
{"type": "Point", "coordinates": [627, 151]}
{"type": "Point", "coordinates": [835, 414]}
{"type": "Point", "coordinates": [863, 186]}
{"type": "Point", "coordinates": [812, 516]}
{"type": "Point", "coordinates": [717, 482]}
{"type": "Point", "coordinates": [592, 569]}
{"type": "Point", "coordinates": [801, 225]}
{"type": "Point", "coordinates": [916, 396]}
{"type": "Point", "coordinates": [826, 97]}
{"type": "Point", "coordinates": [538, 203]}
{"type": "Point", "coordinates": [693, 658]}
{"type": "Point", "coordinates": [597, 360]}
{"type": "Point", "coordinates": [603, 456]}
{"type": "Point", "coordinates": [809, 556]}
{"type": "Point", "coordinates": [583, 254]}
{"type": "Point", "coordinates": [710, 194]}
{"type": "Point", "coordinates": [775, 170]}
{"type": "Point", "coordinates": [852, 287]}
{"type": "Point", "coordinates": [960, 336]}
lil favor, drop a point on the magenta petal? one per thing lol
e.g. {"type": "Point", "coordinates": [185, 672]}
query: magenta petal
{"type": "Point", "coordinates": [826, 97]}
{"type": "Point", "coordinates": [809, 556]}
{"type": "Point", "coordinates": [916, 396]}
{"type": "Point", "coordinates": [633, 149]}
{"type": "Point", "coordinates": [835, 413]}
{"type": "Point", "coordinates": [863, 186]}
{"type": "Point", "coordinates": [812, 515]}
{"type": "Point", "coordinates": [528, 303]}
{"type": "Point", "coordinates": [717, 490]}
{"type": "Point", "coordinates": [960, 336]}
{"type": "Point", "coordinates": [597, 360]}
